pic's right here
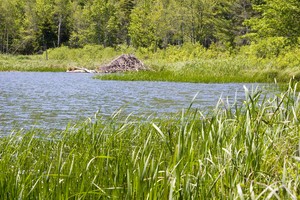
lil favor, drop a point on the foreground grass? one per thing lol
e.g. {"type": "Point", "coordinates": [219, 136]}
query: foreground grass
{"type": "Point", "coordinates": [248, 151]}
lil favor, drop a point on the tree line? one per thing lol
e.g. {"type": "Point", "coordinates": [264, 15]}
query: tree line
{"type": "Point", "coordinates": [32, 26]}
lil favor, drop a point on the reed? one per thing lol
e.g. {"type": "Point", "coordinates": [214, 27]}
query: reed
{"type": "Point", "coordinates": [192, 76]}
{"type": "Point", "coordinates": [247, 150]}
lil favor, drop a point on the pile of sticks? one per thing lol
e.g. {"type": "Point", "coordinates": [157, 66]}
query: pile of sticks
{"type": "Point", "coordinates": [125, 62]}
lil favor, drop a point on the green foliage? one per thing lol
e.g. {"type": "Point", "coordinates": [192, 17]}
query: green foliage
{"type": "Point", "coordinates": [269, 47]}
{"type": "Point", "coordinates": [88, 52]}
{"type": "Point", "coordinates": [104, 23]}
{"type": "Point", "coordinates": [289, 59]}
{"type": "Point", "coordinates": [36, 25]}
{"type": "Point", "coordinates": [81, 34]}
{"type": "Point", "coordinates": [124, 10]}
{"type": "Point", "coordinates": [143, 26]}
{"type": "Point", "coordinates": [62, 13]}
{"type": "Point", "coordinates": [278, 19]}
{"type": "Point", "coordinates": [247, 151]}
{"type": "Point", "coordinates": [10, 21]}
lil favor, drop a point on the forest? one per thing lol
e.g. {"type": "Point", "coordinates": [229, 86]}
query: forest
{"type": "Point", "coordinates": [32, 26]}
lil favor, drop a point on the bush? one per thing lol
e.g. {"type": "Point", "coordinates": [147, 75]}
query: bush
{"type": "Point", "coordinates": [266, 48]}
{"type": "Point", "coordinates": [289, 58]}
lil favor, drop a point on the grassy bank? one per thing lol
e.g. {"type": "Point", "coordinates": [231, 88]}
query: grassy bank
{"type": "Point", "coordinates": [248, 152]}
{"type": "Point", "coordinates": [30, 63]}
{"type": "Point", "coordinates": [192, 63]}
{"type": "Point", "coordinates": [262, 62]}
{"type": "Point", "coordinates": [203, 71]}
{"type": "Point", "coordinates": [59, 59]}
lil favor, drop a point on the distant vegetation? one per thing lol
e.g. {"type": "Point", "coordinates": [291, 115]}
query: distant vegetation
{"type": "Point", "coordinates": [195, 41]}
{"type": "Point", "coordinates": [188, 63]}
{"type": "Point", "coordinates": [248, 151]}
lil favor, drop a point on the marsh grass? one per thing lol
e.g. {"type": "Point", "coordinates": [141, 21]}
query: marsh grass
{"type": "Point", "coordinates": [187, 63]}
{"type": "Point", "coordinates": [30, 63]}
{"type": "Point", "coordinates": [196, 75]}
{"type": "Point", "coordinates": [195, 64]}
{"type": "Point", "coordinates": [187, 75]}
{"type": "Point", "coordinates": [248, 151]}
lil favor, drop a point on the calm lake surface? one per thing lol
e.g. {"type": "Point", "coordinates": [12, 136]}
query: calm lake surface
{"type": "Point", "coordinates": [52, 100]}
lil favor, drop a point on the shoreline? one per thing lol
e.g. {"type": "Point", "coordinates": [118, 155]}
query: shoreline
{"type": "Point", "coordinates": [183, 64]}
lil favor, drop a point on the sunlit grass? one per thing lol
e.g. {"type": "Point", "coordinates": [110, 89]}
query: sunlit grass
{"type": "Point", "coordinates": [189, 63]}
{"type": "Point", "coordinates": [60, 59]}
{"type": "Point", "coordinates": [247, 151]}
{"type": "Point", "coordinates": [182, 76]}
{"type": "Point", "coordinates": [206, 71]}
{"type": "Point", "coordinates": [31, 63]}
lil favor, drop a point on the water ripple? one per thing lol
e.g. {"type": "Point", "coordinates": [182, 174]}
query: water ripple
{"type": "Point", "coordinates": [52, 100]}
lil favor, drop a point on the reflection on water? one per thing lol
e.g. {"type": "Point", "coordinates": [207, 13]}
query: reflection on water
{"type": "Point", "coordinates": [52, 100]}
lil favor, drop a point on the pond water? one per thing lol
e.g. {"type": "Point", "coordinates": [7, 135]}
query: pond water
{"type": "Point", "coordinates": [52, 100]}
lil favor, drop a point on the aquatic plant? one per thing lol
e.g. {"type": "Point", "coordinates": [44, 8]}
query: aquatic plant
{"type": "Point", "coordinates": [247, 151]}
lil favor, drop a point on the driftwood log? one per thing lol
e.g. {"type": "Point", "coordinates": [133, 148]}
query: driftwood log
{"type": "Point", "coordinates": [80, 70]}
{"type": "Point", "coordinates": [125, 62]}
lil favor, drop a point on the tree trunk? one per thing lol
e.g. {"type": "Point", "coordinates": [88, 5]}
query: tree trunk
{"type": "Point", "coordinates": [59, 31]}
{"type": "Point", "coordinates": [7, 42]}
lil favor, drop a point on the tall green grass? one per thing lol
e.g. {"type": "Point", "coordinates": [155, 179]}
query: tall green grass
{"type": "Point", "coordinates": [192, 76]}
{"type": "Point", "coordinates": [247, 151]}
{"type": "Point", "coordinates": [206, 75]}
{"type": "Point", "coordinates": [31, 63]}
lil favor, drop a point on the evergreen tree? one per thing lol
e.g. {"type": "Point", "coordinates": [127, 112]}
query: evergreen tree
{"type": "Point", "coordinates": [47, 29]}
{"type": "Point", "coordinates": [241, 11]}
{"type": "Point", "coordinates": [124, 12]}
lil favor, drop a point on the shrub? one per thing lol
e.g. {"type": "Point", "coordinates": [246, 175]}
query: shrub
{"type": "Point", "coordinates": [266, 48]}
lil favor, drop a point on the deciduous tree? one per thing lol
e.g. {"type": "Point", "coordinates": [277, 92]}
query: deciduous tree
{"type": "Point", "coordinates": [278, 19]}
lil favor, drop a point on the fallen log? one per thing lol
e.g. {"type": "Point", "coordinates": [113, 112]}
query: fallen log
{"type": "Point", "coordinates": [80, 70]}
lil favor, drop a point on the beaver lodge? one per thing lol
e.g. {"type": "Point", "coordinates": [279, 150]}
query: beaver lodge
{"type": "Point", "coordinates": [125, 62]}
